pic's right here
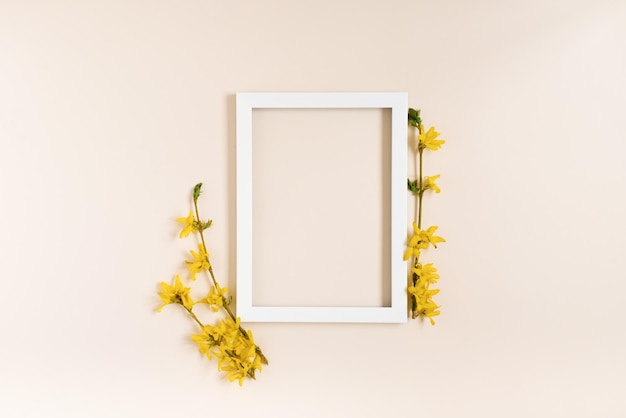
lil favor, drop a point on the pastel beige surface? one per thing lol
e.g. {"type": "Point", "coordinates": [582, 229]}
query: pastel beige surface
{"type": "Point", "coordinates": [110, 111]}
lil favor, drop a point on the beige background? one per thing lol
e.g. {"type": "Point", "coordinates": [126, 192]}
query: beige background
{"type": "Point", "coordinates": [321, 207]}
{"type": "Point", "coordinates": [111, 110]}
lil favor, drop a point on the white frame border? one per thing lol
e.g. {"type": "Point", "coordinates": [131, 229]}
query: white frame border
{"type": "Point", "coordinates": [398, 103]}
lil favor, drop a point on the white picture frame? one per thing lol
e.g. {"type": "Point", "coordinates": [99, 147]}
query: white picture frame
{"type": "Point", "coordinates": [397, 102]}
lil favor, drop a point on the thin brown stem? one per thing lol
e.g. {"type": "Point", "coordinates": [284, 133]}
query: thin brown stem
{"type": "Point", "coordinates": [195, 318]}
{"type": "Point", "coordinates": [421, 193]}
{"type": "Point", "coordinates": [418, 209]}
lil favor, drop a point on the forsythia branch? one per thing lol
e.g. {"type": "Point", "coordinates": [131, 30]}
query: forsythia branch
{"type": "Point", "coordinates": [422, 276]}
{"type": "Point", "coordinates": [237, 354]}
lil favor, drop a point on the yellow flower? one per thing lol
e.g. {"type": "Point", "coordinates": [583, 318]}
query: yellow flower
{"type": "Point", "coordinates": [215, 298]}
{"type": "Point", "coordinates": [421, 240]}
{"type": "Point", "coordinates": [190, 225]}
{"type": "Point", "coordinates": [430, 312]}
{"type": "Point", "coordinates": [237, 354]}
{"type": "Point", "coordinates": [200, 261]}
{"type": "Point", "coordinates": [430, 183]}
{"type": "Point", "coordinates": [411, 252]}
{"type": "Point", "coordinates": [429, 140]}
{"type": "Point", "coordinates": [213, 336]}
{"type": "Point", "coordinates": [426, 273]}
{"type": "Point", "coordinates": [175, 294]}
{"type": "Point", "coordinates": [205, 341]}
{"type": "Point", "coordinates": [239, 359]}
{"type": "Point", "coordinates": [425, 305]}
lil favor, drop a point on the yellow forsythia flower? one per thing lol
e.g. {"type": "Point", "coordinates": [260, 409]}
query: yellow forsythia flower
{"type": "Point", "coordinates": [239, 358]}
{"type": "Point", "coordinates": [237, 354]}
{"type": "Point", "coordinates": [425, 304]}
{"type": "Point", "coordinates": [430, 183]}
{"type": "Point", "coordinates": [200, 261]}
{"type": "Point", "coordinates": [204, 342]}
{"type": "Point", "coordinates": [211, 337]}
{"type": "Point", "coordinates": [190, 225]}
{"type": "Point", "coordinates": [426, 273]}
{"type": "Point", "coordinates": [175, 294]}
{"type": "Point", "coordinates": [411, 252]}
{"type": "Point", "coordinates": [420, 240]}
{"type": "Point", "coordinates": [215, 298]}
{"type": "Point", "coordinates": [429, 140]}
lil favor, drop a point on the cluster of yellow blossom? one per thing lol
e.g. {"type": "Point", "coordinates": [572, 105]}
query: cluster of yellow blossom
{"type": "Point", "coordinates": [237, 355]}
{"type": "Point", "coordinates": [179, 294]}
{"type": "Point", "coordinates": [423, 275]}
{"type": "Point", "coordinates": [426, 275]}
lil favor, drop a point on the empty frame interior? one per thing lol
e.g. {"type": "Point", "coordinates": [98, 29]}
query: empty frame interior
{"type": "Point", "coordinates": [320, 207]}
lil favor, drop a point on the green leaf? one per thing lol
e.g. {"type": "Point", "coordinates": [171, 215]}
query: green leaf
{"type": "Point", "coordinates": [412, 186]}
{"type": "Point", "coordinates": [414, 117]}
{"type": "Point", "coordinates": [197, 191]}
